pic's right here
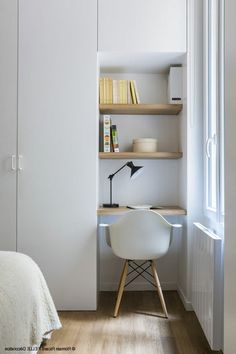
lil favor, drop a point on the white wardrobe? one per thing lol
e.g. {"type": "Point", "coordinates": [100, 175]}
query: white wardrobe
{"type": "Point", "coordinates": [48, 142]}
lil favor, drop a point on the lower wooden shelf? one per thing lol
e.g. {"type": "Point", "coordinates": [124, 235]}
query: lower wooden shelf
{"type": "Point", "coordinates": [140, 155]}
{"type": "Point", "coordinates": [165, 210]}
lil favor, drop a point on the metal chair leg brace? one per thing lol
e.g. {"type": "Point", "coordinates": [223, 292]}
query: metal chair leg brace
{"type": "Point", "coordinates": [140, 273]}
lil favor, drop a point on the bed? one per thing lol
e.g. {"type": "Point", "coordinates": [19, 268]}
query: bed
{"type": "Point", "coordinates": [27, 311]}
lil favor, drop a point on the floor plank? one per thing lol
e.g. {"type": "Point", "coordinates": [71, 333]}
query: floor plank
{"type": "Point", "coordinates": [139, 328]}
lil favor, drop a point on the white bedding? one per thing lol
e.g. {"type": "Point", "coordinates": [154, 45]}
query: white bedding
{"type": "Point", "coordinates": [27, 311]}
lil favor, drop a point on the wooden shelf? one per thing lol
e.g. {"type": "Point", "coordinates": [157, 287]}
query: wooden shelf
{"type": "Point", "coordinates": [140, 155]}
{"type": "Point", "coordinates": [153, 109]}
{"type": "Point", "coordinates": [165, 210]}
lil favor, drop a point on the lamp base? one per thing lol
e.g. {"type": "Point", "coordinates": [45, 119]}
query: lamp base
{"type": "Point", "coordinates": [110, 205]}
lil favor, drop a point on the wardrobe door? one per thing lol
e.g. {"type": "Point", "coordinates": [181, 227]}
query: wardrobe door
{"type": "Point", "coordinates": [58, 145]}
{"type": "Point", "coordinates": [8, 126]}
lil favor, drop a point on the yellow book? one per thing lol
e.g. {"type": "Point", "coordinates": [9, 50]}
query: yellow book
{"type": "Point", "coordinates": [110, 91]}
{"type": "Point", "coordinates": [132, 90]}
{"type": "Point", "coordinates": [120, 90]}
{"type": "Point", "coordinates": [101, 90]}
{"type": "Point", "coordinates": [106, 95]}
{"type": "Point", "coordinates": [104, 89]}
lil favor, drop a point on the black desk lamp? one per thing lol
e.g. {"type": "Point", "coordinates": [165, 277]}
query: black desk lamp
{"type": "Point", "coordinates": [135, 170]}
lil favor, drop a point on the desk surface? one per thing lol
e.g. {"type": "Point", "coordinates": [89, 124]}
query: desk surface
{"type": "Point", "coordinates": [165, 210]}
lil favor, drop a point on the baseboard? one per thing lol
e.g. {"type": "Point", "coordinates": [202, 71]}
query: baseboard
{"type": "Point", "coordinates": [187, 304]}
{"type": "Point", "coordinates": [138, 286]}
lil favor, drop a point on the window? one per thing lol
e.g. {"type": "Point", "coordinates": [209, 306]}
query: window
{"type": "Point", "coordinates": [213, 110]}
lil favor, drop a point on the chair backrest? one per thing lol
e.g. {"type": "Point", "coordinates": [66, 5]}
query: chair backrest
{"type": "Point", "coordinates": [140, 234]}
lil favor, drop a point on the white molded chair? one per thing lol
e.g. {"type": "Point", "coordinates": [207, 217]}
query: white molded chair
{"type": "Point", "coordinates": [140, 235]}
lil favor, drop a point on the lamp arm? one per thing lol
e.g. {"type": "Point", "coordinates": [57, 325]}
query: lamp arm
{"type": "Point", "coordinates": [111, 191]}
{"type": "Point", "coordinates": [113, 174]}
{"type": "Point", "coordinates": [111, 178]}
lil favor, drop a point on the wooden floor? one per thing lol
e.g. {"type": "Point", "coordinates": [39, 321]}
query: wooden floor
{"type": "Point", "coordinates": [139, 328]}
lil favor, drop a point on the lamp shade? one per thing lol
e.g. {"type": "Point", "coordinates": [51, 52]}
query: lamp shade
{"type": "Point", "coordinates": [135, 170]}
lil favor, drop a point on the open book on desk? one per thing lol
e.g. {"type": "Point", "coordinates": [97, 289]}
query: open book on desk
{"type": "Point", "coordinates": [144, 206]}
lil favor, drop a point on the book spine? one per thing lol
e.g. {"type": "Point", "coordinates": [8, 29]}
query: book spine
{"type": "Point", "coordinates": [106, 133]}
{"type": "Point", "coordinates": [114, 91]}
{"type": "Point", "coordinates": [120, 83]}
{"type": "Point", "coordinates": [129, 100]}
{"type": "Point", "coordinates": [118, 91]}
{"type": "Point", "coordinates": [110, 91]}
{"type": "Point", "coordinates": [125, 92]}
{"type": "Point", "coordinates": [132, 90]}
{"type": "Point", "coordinates": [106, 93]}
{"type": "Point", "coordinates": [136, 92]}
{"type": "Point", "coordinates": [115, 142]}
{"type": "Point", "coordinates": [105, 90]}
{"type": "Point", "coordinates": [101, 90]}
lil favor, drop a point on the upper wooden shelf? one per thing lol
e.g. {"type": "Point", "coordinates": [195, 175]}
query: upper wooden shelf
{"type": "Point", "coordinates": [153, 109]}
{"type": "Point", "coordinates": [140, 155]}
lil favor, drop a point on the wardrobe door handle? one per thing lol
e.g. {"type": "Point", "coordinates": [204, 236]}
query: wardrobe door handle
{"type": "Point", "coordinates": [13, 162]}
{"type": "Point", "coordinates": [20, 167]}
{"type": "Point", "coordinates": [210, 141]}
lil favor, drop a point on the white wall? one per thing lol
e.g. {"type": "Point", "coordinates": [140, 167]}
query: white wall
{"type": "Point", "coordinates": [230, 178]}
{"type": "Point", "coordinates": [141, 26]}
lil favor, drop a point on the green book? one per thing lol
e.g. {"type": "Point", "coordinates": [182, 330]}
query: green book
{"type": "Point", "coordinates": [114, 139]}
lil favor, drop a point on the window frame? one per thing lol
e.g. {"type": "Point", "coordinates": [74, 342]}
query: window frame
{"type": "Point", "coordinates": [213, 45]}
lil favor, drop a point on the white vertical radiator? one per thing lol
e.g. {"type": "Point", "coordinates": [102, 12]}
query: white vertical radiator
{"type": "Point", "coordinates": [207, 283]}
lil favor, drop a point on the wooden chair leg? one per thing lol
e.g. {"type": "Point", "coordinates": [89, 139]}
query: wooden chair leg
{"type": "Point", "coordinates": [121, 287]}
{"type": "Point", "coordinates": [163, 304]}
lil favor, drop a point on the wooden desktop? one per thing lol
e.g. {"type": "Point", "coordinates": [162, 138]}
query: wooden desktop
{"type": "Point", "coordinates": [164, 210]}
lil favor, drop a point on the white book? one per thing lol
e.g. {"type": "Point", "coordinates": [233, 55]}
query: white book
{"type": "Point", "coordinates": [121, 91]}
{"type": "Point", "coordinates": [125, 91]}
{"type": "Point", "coordinates": [115, 91]}
{"type": "Point", "coordinates": [136, 91]}
{"type": "Point", "coordinates": [106, 133]}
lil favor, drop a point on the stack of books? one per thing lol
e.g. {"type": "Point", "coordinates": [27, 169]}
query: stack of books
{"type": "Point", "coordinates": [105, 90]}
{"type": "Point", "coordinates": [110, 135]}
{"type": "Point", "coordinates": [118, 91]}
